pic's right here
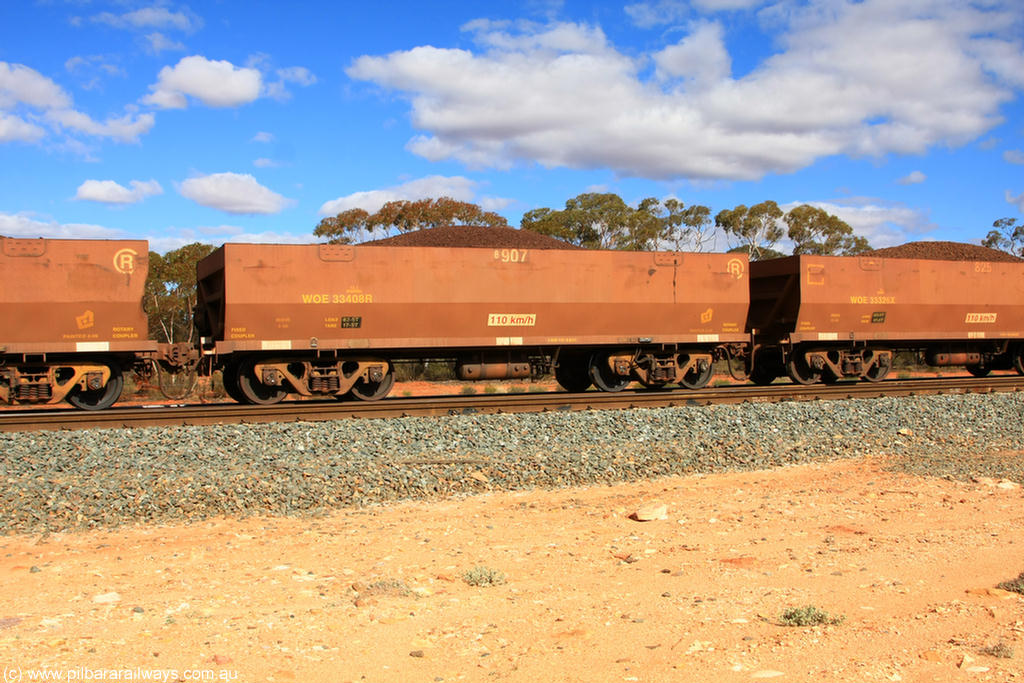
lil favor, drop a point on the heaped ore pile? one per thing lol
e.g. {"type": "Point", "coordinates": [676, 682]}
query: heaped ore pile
{"type": "Point", "coordinates": [944, 251]}
{"type": "Point", "coordinates": [472, 236]}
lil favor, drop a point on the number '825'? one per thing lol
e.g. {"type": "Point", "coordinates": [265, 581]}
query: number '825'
{"type": "Point", "coordinates": [510, 255]}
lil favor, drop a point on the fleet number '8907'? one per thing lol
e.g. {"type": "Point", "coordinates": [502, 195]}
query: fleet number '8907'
{"type": "Point", "coordinates": [510, 255]}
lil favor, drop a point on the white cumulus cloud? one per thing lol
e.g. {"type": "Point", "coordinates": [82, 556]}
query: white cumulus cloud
{"type": "Point", "coordinates": [111, 192]}
{"type": "Point", "coordinates": [215, 83]}
{"type": "Point", "coordinates": [91, 70]}
{"type": "Point", "coordinates": [650, 14]}
{"type": "Point", "coordinates": [219, 83]}
{"type": "Point", "coordinates": [237, 193]}
{"type": "Point", "coordinates": [700, 57]}
{"type": "Point", "coordinates": [869, 77]}
{"type": "Point", "coordinates": [127, 128]}
{"type": "Point", "coordinates": [1013, 156]}
{"type": "Point", "coordinates": [456, 187]}
{"type": "Point", "coordinates": [913, 178]}
{"type": "Point", "coordinates": [25, 225]}
{"type": "Point", "coordinates": [151, 17]}
{"type": "Point", "coordinates": [660, 12]}
{"type": "Point", "coordinates": [882, 223]}
{"type": "Point", "coordinates": [20, 84]}
{"type": "Point", "coordinates": [297, 74]}
{"type": "Point", "coordinates": [1016, 200]}
{"type": "Point", "coordinates": [218, 235]}
{"type": "Point", "coordinates": [157, 42]}
{"type": "Point", "coordinates": [26, 93]}
{"type": "Point", "coordinates": [14, 128]}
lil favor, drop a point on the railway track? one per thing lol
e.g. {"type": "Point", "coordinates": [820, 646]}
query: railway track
{"type": "Point", "coordinates": [229, 413]}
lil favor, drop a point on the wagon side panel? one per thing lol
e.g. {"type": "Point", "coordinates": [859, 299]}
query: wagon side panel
{"type": "Point", "coordinates": [73, 295]}
{"type": "Point", "coordinates": [326, 296]}
{"type": "Point", "coordinates": [862, 298]}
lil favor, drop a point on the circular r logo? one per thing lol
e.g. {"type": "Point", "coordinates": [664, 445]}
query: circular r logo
{"type": "Point", "coordinates": [124, 261]}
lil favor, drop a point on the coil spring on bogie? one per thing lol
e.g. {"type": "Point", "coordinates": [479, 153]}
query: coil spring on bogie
{"type": "Point", "coordinates": [33, 392]}
{"type": "Point", "coordinates": [327, 384]}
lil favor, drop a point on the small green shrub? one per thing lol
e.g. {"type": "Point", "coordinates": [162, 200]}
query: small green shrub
{"type": "Point", "coordinates": [516, 389]}
{"type": "Point", "coordinates": [1000, 650]}
{"type": "Point", "coordinates": [386, 587]}
{"type": "Point", "coordinates": [216, 386]}
{"type": "Point", "coordinates": [484, 576]}
{"type": "Point", "coordinates": [140, 387]}
{"type": "Point", "coordinates": [438, 371]}
{"type": "Point", "coordinates": [1015, 585]}
{"type": "Point", "coordinates": [490, 389]}
{"type": "Point", "coordinates": [409, 372]}
{"type": "Point", "coordinates": [808, 616]}
{"type": "Point", "coordinates": [467, 390]}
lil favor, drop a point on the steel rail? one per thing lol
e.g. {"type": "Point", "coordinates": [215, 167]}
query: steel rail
{"type": "Point", "coordinates": [292, 411]}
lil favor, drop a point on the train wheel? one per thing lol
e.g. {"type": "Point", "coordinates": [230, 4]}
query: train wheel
{"type": "Point", "coordinates": [799, 371]}
{"type": "Point", "coordinates": [571, 374]}
{"type": "Point", "coordinates": [102, 398]}
{"type": "Point", "coordinates": [979, 370]}
{"type": "Point", "coordinates": [877, 373]}
{"type": "Point", "coordinates": [698, 377]}
{"type": "Point", "coordinates": [603, 377]}
{"type": "Point", "coordinates": [253, 390]}
{"type": "Point", "coordinates": [374, 391]}
{"type": "Point", "coordinates": [231, 388]}
{"type": "Point", "coordinates": [1018, 360]}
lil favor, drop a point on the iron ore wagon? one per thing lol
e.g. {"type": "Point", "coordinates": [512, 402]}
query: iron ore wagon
{"type": "Point", "coordinates": [73, 321]}
{"type": "Point", "coordinates": [820, 318]}
{"type": "Point", "coordinates": [333, 319]}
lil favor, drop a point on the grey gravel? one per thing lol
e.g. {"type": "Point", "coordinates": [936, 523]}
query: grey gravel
{"type": "Point", "coordinates": [57, 481]}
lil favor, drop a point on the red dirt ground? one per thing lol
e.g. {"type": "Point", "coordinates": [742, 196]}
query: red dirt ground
{"type": "Point", "coordinates": [909, 564]}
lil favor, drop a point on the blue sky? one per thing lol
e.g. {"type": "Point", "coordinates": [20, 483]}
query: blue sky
{"type": "Point", "coordinates": [250, 121]}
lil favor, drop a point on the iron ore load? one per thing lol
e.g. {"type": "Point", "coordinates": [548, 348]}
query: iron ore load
{"type": "Point", "coordinates": [334, 320]}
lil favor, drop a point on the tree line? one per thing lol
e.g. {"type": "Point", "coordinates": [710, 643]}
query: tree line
{"type": "Point", "coordinates": [596, 220]}
{"type": "Point", "coordinates": [591, 220]}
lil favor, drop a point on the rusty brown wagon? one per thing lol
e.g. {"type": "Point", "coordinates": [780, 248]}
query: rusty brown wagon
{"type": "Point", "coordinates": [333, 319]}
{"type": "Point", "coordinates": [821, 318]}
{"type": "Point", "coordinates": [72, 319]}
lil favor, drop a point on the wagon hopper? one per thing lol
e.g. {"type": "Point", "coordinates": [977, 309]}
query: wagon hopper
{"type": "Point", "coordinates": [333, 319]}
{"type": "Point", "coordinates": [819, 318]}
{"type": "Point", "coordinates": [73, 319]}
